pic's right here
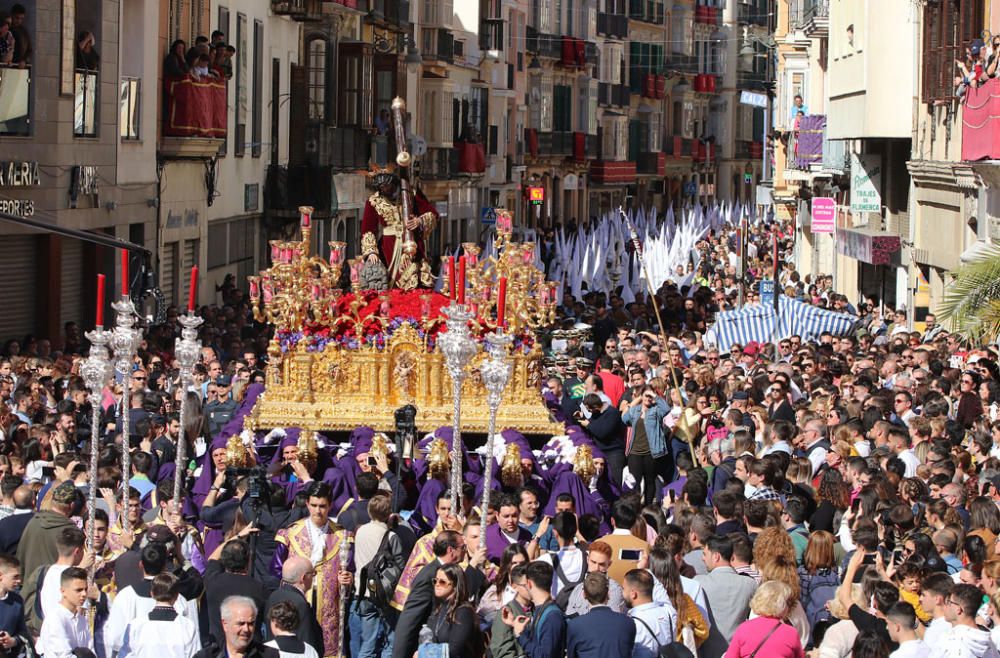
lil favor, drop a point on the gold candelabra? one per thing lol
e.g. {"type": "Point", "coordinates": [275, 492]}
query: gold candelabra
{"type": "Point", "coordinates": [300, 288]}
{"type": "Point", "coordinates": [530, 299]}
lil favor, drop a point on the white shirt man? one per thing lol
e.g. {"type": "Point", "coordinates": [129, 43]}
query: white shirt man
{"type": "Point", "coordinates": [65, 628]}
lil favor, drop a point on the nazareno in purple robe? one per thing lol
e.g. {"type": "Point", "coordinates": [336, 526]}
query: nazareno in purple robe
{"type": "Point", "coordinates": [496, 542]}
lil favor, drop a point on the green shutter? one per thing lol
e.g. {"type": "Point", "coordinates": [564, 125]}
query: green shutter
{"type": "Point", "coordinates": [634, 139]}
{"type": "Point", "coordinates": [635, 67]}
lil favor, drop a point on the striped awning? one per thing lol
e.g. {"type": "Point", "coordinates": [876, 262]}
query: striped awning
{"type": "Point", "coordinates": [756, 322]}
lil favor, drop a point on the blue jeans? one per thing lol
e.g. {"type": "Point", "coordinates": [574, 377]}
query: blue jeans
{"type": "Point", "coordinates": [371, 636]}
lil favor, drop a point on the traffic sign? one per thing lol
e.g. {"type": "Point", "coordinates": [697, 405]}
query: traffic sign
{"type": "Point", "coordinates": [824, 214]}
{"type": "Point", "coordinates": [753, 98]}
{"type": "Point", "coordinates": [767, 292]}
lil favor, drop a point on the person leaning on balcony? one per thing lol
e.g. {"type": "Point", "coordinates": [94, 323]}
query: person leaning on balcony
{"type": "Point", "coordinates": [22, 40]}
{"type": "Point", "coordinates": [86, 55]}
{"type": "Point", "coordinates": [174, 65]}
{"type": "Point", "coordinates": [6, 41]}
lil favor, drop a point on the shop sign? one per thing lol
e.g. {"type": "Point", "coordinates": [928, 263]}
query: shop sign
{"type": "Point", "coordinates": [824, 214]}
{"type": "Point", "coordinates": [871, 248]}
{"type": "Point", "coordinates": [866, 180]}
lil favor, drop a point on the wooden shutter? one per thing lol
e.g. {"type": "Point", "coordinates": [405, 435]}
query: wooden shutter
{"type": "Point", "coordinates": [298, 113]}
{"type": "Point", "coordinates": [257, 108]}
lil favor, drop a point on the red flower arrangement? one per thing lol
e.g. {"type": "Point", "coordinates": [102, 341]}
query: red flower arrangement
{"type": "Point", "coordinates": [380, 315]}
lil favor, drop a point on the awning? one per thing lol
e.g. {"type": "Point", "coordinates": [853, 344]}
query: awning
{"type": "Point", "coordinates": [867, 245]}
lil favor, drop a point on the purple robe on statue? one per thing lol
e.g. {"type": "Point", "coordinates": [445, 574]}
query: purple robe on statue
{"type": "Point", "coordinates": [496, 541]}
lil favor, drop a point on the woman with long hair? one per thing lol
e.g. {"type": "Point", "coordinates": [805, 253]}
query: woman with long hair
{"type": "Point", "coordinates": [692, 628]}
{"type": "Point", "coordinates": [453, 621]}
{"type": "Point", "coordinates": [818, 576]}
{"type": "Point", "coordinates": [834, 496]}
{"type": "Point", "coordinates": [984, 520]}
{"type": "Point", "coordinates": [500, 593]}
{"type": "Point", "coordinates": [774, 556]}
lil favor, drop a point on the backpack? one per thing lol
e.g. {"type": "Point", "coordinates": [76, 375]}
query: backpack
{"type": "Point", "coordinates": [380, 576]}
{"type": "Point", "coordinates": [817, 589]}
{"type": "Point", "coordinates": [673, 649]}
{"type": "Point", "coordinates": [562, 599]}
{"type": "Point", "coordinates": [32, 593]}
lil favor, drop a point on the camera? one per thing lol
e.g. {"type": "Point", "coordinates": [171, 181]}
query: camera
{"type": "Point", "coordinates": [258, 490]}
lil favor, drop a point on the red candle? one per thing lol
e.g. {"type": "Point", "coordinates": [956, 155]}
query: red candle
{"type": "Point", "coordinates": [451, 278]}
{"type": "Point", "coordinates": [502, 303]}
{"type": "Point", "coordinates": [124, 273]}
{"type": "Point", "coordinates": [461, 280]}
{"type": "Point", "coordinates": [193, 290]}
{"type": "Point", "coordinates": [100, 300]}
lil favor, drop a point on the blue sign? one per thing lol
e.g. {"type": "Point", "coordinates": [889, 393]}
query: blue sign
{"type": "Point", "coordinates": [690, 188]}
{"type": "Point", "coordinates": [767, 292]}
{"type": "Point", "coordinates": [488, 216]}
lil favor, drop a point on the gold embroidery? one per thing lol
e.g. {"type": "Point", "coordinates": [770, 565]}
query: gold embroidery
{"type": "Point", "coordinates": [388, 211]}
{"type": "Point", "coordinates": [369, 245]}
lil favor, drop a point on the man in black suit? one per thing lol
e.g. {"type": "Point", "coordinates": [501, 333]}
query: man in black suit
{"type": "Point", "coordinates": [225, 576]}
{"type": "Point", "coordinates": [297, 574]}
{"type": "Point", "coordinates": [449, 548]}
{"type": "Point", "coordinates": [12, 527]}
{"type": "Point", "coordinates": [602, 632]}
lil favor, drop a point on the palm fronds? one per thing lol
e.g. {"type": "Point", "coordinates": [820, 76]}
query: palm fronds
{"type": "Point", "coordinates": [971, 303]}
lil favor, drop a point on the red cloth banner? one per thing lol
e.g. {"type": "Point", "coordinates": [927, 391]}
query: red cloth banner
{"type": "Point", "coordinates": [195, 108]}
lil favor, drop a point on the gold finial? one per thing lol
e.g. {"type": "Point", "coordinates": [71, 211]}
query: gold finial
{"type": "Point", "coordinates": [438, 461]}
{"type": "Point", "coordinates": [308, 449]}
{"type": "Point", "coordinates": [583, 463]}
{"type": "Point", "coordinates": [510, 468]}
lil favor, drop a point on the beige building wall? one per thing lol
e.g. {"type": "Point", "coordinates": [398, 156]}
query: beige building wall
{"type": "Point", "coordinates": [871, 85]}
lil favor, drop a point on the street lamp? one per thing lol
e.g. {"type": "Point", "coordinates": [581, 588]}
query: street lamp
{"type": "Point", "coordinates": [747, 55]}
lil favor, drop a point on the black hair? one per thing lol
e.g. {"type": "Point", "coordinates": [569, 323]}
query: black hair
{"type": "Point", "coordinates": [623, 514]}
{"type": "Point", "coordinates": [367, 485]}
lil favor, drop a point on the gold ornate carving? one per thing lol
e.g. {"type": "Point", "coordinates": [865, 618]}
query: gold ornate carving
{"type": "Point", "coordinates": [369, 245]}
{"type": "Point", "coordinates": [583, 463]}
{"type": "Point", "coordinates": [339, 389]}
{"type": "Point", "coordinates": [510, 469]}
{"type": "Point", "coordinates": [438, 459]}
{"type": "Point", "coordinates": [389, 212]}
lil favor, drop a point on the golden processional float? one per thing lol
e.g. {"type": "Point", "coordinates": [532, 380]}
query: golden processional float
{"type": "Point", "coordinates": [343, 358]}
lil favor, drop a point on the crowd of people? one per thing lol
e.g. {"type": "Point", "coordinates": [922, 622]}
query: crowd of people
{"type": "Point", "coordinates": [207, 59]}
{"type": "Point", "coordinates": [837, 497]}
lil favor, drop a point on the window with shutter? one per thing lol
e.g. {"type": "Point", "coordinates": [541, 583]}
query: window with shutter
{"type": "Point", "coordinates": [355, 80]}
{"type": "Point", "coordinates": [949, 27]}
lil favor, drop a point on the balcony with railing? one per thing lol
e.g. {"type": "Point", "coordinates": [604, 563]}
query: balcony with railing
{"type": "Point", "coordinates": [981, 122]}
{"type": "Point", "coordinates": [651, 164]}
{"type": "Point", "coordinates": [15, 101]}
{"type": "Point", "coordinates": [684, 63]}
{"type": "Point", "coordinates": [612, 95]}
{"type": "Point", "coordinates": [286, 187]}
{"type": "Point", "coordinates": [194, 120]}
{"type": "Point", "coordinates": [471, 158]}
{"type": "Point", "coordinates": [676, 146]}
{"type": "Point", "coordinates": [752, 80]}
{"type": "Point", "coordinates": [647, 11]}
{"type": "Point", "coordinates": [608, 172]}
{"type": "Point", "coordinates": [612, 26]}
{"type": "Point", "coordinates": [555, 144]}
{"type": "Point", "coordinates": [129, 108]}
{"type": "Point", "coordinates": [748, 150]}
{"type": "Point", "coordinates": [299, 10]}
{"type": "Point", "coordinates": [439, 164]}
{"type": "Point", "coordinates": [753, 13]}
{"type": "Point", "coordinates": [349, 148]}
{"type": "Point", "coordinates": [542, 44]}
{"type": "Point", "coordinates": [809, 150]}
{"type": "Point", "coordinates": [816, 18]}
{"type": "Point", "coordinates": [708, 15]}
{"type": "Point", "coordinates": [390, 12]}
{"type": "Point", "coordinates": [443, 48]}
